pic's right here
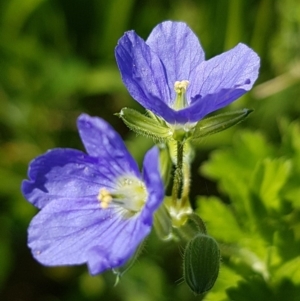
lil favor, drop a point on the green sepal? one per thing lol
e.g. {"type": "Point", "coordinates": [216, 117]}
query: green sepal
{"type": "Point", "coordinates": [165, 163]}
{"type": "Point", "coordinates": [201, 263]}
{"type": "Point", "coordinates": [218, 123]}
{"type": "Point", "coordinates": [155, 128]}
{"type": "Point", "coordinates": [163, 223]}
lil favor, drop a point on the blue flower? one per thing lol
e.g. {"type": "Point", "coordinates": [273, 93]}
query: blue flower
{"type": "Point", "coordinates": [169, 76]}
{"type": "Point", "coordinates": [96, 208]}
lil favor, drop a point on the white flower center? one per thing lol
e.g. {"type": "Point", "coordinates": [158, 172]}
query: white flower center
{"type": "Point", "coordinates": [130, 193]}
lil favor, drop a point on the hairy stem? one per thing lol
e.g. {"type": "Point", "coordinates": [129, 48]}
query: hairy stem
{"type": "Point", "coordinates": [178, 174]}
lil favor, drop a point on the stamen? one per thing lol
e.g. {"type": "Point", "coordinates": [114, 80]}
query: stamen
{"type": "Point", "coordinates": [134, 193]}
{"type": "Point", "coordinates": [104, 197]}
{"type": "Point", "coordinates": [180, 89]}
{"type": "Point", "coordinates": [130, 194]}
{"type": "Point", "coordinates": [181, 86]}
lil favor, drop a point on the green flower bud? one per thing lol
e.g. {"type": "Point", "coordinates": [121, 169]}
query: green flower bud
{"type": "Point", "coordinates": [218, 123]}
{"type": "Point", "coordinates": [155, 128]}
{"type": "Point", "coordinates": [201, 263]}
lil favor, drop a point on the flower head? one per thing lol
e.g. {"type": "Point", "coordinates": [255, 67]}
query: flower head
{"type": "Point", "coordinates": [96, 208]}
{"type": "Point", "coordinates": [168, 75]}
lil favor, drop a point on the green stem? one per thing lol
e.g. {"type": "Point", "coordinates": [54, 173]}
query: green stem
{"type": "Point", "coordinates": [178, 174]}
{"type": "Point", "coordinates": [185, 184]}
{"type": "Point", "coordinates": [180, 207]}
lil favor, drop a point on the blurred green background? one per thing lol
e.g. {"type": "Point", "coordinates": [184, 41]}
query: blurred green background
{"type": "Point", "coordinates": [57, 60]}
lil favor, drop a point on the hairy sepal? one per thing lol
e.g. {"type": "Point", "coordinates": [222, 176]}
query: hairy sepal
{"type": "Point", "coordinates": [218, 123]}
{"type": "Point", "coordinates": [152, 127]}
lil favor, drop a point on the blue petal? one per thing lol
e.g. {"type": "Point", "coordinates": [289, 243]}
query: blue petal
{"type": "Point", "coordinates": [61, 173]}
{"type": "Point", "coordinates": [154, 183]}
{"type": "Point", "coordinates": [102, 141]}
{"type": "Point", "coordinates": [143, 75]}
{"type": "Point", "coordinates": [221, 80]}
{"type": "Point", "coordinates": [76, 231]}
{"type": "Point", "coordinates": [179, 50]}
{"type": "Point", "coordinates": [173, 53]}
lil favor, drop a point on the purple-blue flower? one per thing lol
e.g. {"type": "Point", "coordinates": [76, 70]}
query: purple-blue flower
{"type": "Point", "coordinates": [96, 208]}
{"type": "Point", "coordinates": [168, 74]}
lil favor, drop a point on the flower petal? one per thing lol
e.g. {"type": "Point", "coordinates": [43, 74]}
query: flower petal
{"type": "Point", "coordinates": [68, 232]}
{"type": "Point", "coordinates": [102, 141]}
{"type": "Point", "coordinates": [143, 74]}
{"type": "Point", "coordinates": [179, 50]}
{"type": "Point", "coordinates": [221, 80]}
{"type": "Point", "coordinates": [154, 183]}
{"type": "Point", "coordinates": [63, 173]}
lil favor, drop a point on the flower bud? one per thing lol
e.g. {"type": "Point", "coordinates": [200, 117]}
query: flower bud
{"type": "Point", "coordinates": [201, 263]}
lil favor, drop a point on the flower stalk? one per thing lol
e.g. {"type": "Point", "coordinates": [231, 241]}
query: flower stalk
{"type": "Point", "coordinates": [178, 174]}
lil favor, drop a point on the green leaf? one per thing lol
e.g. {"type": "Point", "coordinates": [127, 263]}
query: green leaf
{"type": "Point", "coordinates": [290, 136]}
{"type": "Point", "coordinates": [289, 270]}
{"type": "Point", "coordinates": [233, 168]}
{"type": "Point", "coordinates": [248, 148]}
{"type": "Point", "coordinates": [269, 178]}
{"type": "Point", "coordinates": [220, 219]}
{"type": "Point", "coordinates": [227, 278]}
{"type": "Point", "coordinates": [254, 289]}
{"type": "Point", "coordinates": [293, 195]}
{"type": "Point", "coordinates": [291, 142]}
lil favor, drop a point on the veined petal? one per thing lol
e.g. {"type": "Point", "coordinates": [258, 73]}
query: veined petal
{"type": "Point", "coordinates": [179, 50]}
{"type": "Point", "coordinates": [69, 232]}
{"type": "Point", "coordinates": [95, 209]}
{"type": "Point", "coordinates": [222, 79]}
{"type": "Point", "coordinates": [154, 183]}
{"type": "Point", "coordinates": [208, 104]}
{"type": "Point", "coordinates": [62, 173]}
{"type": "Point", "coordinates": [143, 74]}
{"type": "Point", "coordinates": [172, 54]}
{"type": "Point", "coordinates": [102, 141]}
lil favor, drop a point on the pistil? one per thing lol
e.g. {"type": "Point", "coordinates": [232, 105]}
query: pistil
{"type": "Point", "coordinates": [180, 89]}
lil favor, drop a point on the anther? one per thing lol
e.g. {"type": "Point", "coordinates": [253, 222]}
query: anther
{"type": "Point", "coordinates": [104, 197]}
{"type": "Point", "coordinates": [181, 86]}
{"type": "Point", "coordinates": [180, 89]}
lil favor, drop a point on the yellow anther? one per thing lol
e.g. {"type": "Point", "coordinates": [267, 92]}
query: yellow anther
{"type": "Point", "coordinates": [129, 194]}
{"type": "Point", "coordinates": [181, 86]}
{"type": "Point", "coordinates": [104, 197]}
